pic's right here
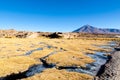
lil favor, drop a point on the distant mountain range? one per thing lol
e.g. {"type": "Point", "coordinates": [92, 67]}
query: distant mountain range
{"type": "Point", "coordinates": [91, 29]}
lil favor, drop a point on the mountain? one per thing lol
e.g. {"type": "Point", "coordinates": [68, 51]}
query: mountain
{"type": "Point", "coordinates": [91, 29]}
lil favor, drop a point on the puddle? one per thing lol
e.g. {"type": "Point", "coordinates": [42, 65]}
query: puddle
{"type": "Point", "coordinates": [37, 69]}
{"type": "Point", "coordinates": [54, 52]}
{"type": "Point", "coordinates": [30, 72]}
{"type": "Point", "coordinates": [39, 49]}
{"type": "Point", "coordinates": [113, 43]}
{"type": "Point", "coordinates": [31, 51]}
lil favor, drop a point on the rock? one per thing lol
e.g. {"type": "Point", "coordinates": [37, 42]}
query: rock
{"type": "Point", "coordinates": [112, 68]}
{"type": "Point", "coordinates": [33, 35]}
{"type": "Point", "coordinates": [117, 48]}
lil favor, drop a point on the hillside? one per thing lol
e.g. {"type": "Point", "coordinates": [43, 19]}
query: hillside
{"type": "Point", "coordinates": [91, 29]}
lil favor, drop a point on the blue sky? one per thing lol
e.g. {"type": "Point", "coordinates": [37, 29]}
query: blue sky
{"type": "Point", "coordinates": [58, 15]}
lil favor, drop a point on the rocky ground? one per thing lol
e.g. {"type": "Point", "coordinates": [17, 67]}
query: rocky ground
{"type": "Point", "coordinates": [111, 70]}
{"type": "Point", "coordinates": [11, 33]}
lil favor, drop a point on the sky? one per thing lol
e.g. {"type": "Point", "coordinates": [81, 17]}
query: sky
{"type": "Point", "coordinates": [58, 15]}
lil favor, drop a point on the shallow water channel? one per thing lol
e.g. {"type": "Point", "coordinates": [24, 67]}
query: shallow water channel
{"type": "Point", "coordinates": [94, 67]}
{"type": "Point", "coordinates": [100, 59]}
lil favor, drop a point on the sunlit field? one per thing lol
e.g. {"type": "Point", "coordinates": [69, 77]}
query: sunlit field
{"type": "Point", "coordinates": [17, 55]}
{"type": "Point", "coordinates": [54, 74]}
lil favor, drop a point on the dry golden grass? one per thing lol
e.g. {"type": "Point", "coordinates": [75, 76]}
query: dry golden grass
{"type": "Point", "coordinates": [12, 59]}
{"type": "Point", "coordinates": [10, 47]}
{"type": "Point", "coordinates": [54, 74]}
{"type": "Point", "coordinates": [85, 46]}
{"type": "Point", "coordinates": [40, 54]}
{"type": "Point", "coordinates": [15, 64]}
{"type": "Point", "coordinates": [68, 58]}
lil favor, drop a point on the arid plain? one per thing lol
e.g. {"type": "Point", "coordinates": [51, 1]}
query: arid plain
{"type": "Point", "coordinates": [17, 55]}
